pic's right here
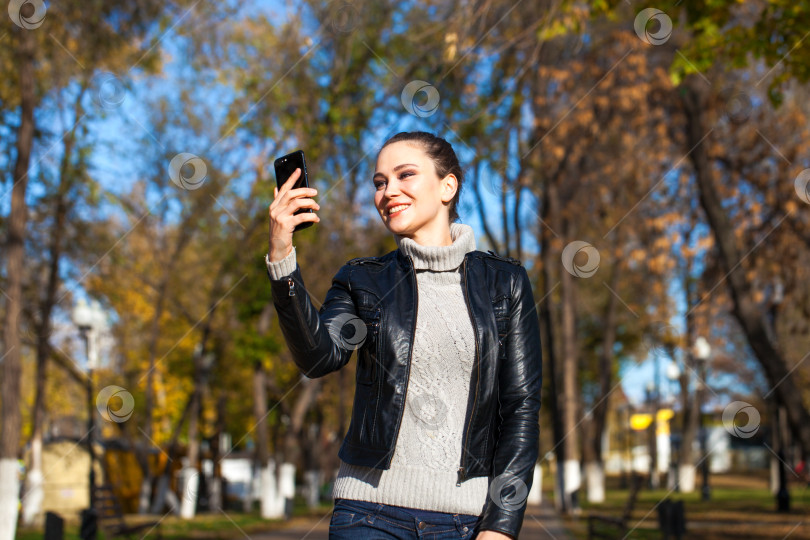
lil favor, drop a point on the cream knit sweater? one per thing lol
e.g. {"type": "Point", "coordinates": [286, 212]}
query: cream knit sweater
{"type": "Point", "coordinates": [427, 455]}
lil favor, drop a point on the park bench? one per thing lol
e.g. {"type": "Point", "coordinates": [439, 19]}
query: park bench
{"type": "Point", "coordinates": [111, 516]}
{"type": "Point", "coordinates": [603, 526]}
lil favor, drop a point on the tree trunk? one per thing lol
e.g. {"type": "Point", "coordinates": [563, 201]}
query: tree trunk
{"type": "Point", "coordinates": [550, 352]}
{"type": "Point", "coordinates": [745, 309]}
{"type": "Point", "coordinates": [32, 502]}
{"type": "Point", "coordinates": [269, 486]}
{"type": "Point", "coordinates": [149, 393]}
{"type": "Point", "coordinates": [191, 472]}
{"type": "Point", "coordinates": [154, 340]}
{"type": "Point", "coordinates": [594, 462]}
{"type": "Point", "coordinates": [216, 497]}
{"type": "Point", "coordinates": [162, 492]}
{"type": "Point", "coordinates": [297, 450]}
{"type": "Point", "coordinates": [260, 413]}
{"type": "Point", "coordinates": [294, 441]}
{"type": "Point", "coordinates": [690, 402]}
{"type": "Point", "coordinates": [14, 248]}
{"type": "Point", "coordinates": [570, 388]}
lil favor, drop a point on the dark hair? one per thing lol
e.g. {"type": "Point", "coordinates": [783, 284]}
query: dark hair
{"type": "Point", "coordinates": [441, 153]}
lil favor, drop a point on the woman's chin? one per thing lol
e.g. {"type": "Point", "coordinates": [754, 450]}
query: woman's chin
{"type": "Point", "coordinates": [394, 229]}
{"type": "Point", "coordinates": [396, 226]}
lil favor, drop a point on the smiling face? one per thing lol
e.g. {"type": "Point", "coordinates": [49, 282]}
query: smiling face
{"type": "Point", "coordinates": [410, 198]}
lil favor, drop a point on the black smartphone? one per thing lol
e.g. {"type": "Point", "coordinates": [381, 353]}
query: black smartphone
{"type": "Point", "coordinates": [285, 166]}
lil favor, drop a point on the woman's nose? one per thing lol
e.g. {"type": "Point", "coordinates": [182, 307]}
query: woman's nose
{"type": "Point", "coordinates": [391, 189]}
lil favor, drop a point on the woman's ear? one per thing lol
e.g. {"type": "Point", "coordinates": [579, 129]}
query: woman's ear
{"type": "Point", "coordinates": [449, 187]}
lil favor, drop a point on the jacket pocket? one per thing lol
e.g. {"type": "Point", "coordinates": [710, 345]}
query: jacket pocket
{"type": "Point", "coordinates": [368, 356]}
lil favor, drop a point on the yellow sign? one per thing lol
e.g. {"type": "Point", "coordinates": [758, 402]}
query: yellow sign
{"type": "Point", "coordinates": [640, 421]}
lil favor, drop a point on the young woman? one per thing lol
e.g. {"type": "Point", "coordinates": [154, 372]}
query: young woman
{"type": "Point", "coordinates": [444, 432]}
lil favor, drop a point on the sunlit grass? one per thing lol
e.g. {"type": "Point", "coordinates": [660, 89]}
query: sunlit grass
{"type": "Point", "coordinates": [214, 526]}
{"type": "Point", "coordinates": [739, 508]}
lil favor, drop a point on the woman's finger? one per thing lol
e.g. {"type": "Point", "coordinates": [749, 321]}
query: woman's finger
{"type": "Point", "coordinates": [290, 182]}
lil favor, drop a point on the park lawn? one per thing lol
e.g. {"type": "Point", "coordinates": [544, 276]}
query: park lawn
{"type": "Point", "coordinates": [219, 526]}
{"type": "Point", "coordinates": [207, 526]}
{"type": "Point", "coordinates": [740, 508]}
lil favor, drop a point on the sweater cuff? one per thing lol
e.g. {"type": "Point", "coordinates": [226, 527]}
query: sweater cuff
{"type": "Point", "coordinates": [281, 268]}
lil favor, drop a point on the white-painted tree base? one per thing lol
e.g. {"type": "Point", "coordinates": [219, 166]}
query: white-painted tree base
{"type": "Point", "coordinates": [595, 481]}
{"type": "Point", "coordinates": [573, 476]}
{"type": "Point", "coordinates": [33, 496]}
{"type": "Point", "coordinates": [215, 495]}
{"type": "Point", "coordinates": [9, 496]}
{"type": "Point", "coordinates": [558, 491]}
{"type": "Point", "coordinates": [686, 478]}
{"type": "Point", "coordinates": [536, 492]}
{"type": "Point", "coordinates": [286, 481]}
{"type": "Point", "coordinates": [774, 476]}
{"type": "Point", "coordinates": [253, 492]}
{"type": "Point", "coordinates": [188, 497]}
{"type": "Point", "coordinates": [145, 495]}
{"type": "Point", "coordinates": [313, 483]}
{"type": "Point", "coordinates": [272, 505]}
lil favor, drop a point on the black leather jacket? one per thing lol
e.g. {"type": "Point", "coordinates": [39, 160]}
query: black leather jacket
{"type": "Point", "coordinates": [501, 433]}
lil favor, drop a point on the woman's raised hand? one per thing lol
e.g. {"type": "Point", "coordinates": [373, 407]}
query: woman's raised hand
{"type": "Point", "coordinates": [282, 221]}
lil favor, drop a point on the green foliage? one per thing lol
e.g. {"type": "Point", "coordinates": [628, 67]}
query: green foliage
{"type": "Point", "coordinates": [738, 34]}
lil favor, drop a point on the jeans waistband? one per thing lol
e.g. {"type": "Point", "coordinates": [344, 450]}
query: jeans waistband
{"type": "Point", "coordinates": [405, 513]}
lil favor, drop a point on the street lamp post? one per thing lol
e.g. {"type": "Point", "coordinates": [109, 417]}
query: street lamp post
{"type": "Point", "coordinates": [652, 400]}
{"type": "Point", "coordinates": [628, 441]}
{"type": "Point", "coordinates": [702, 352]}
{"type": "Point", "coordinates": [673, 374]}
{"type": "Point", "coordinates": [89, 319]}
{"type": "Point", "coordinates": [782, 495]}
{"type": "Point", "coordinates": [623, 438]}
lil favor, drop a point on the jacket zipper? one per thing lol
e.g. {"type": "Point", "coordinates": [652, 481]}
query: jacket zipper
{"type": "Point", "coordinates": [300, 315]}
{"type": "Point", "coordinates": [410, 352]}
{"type": "Point", "coordinates": [461, 470]}
{"type": "Point", "coordinates": [376, 329]}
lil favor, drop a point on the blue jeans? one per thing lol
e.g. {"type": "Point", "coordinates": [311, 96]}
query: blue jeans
{"type": "Point", "coordinates": [360, 520]}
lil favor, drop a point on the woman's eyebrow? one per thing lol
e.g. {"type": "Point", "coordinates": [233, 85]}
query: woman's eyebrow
{"type": "Point", "coordinates": [398, 167]}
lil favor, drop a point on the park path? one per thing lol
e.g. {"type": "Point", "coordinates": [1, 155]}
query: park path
{"type": "Point", "coordinates": [541, 522]}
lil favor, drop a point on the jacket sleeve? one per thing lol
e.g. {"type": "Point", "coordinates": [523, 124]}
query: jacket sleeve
{"type": "Point", "coordinates": [314, 336]}
{"type": "Point", "coordinates": [519, 383]}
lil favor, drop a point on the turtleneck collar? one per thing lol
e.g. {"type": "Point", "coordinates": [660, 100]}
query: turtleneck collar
{"type": "Point", "coordinates": [440, 258]}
